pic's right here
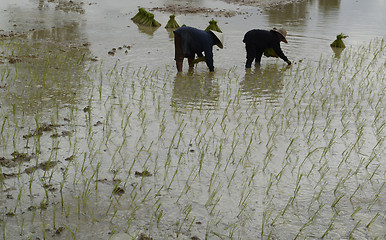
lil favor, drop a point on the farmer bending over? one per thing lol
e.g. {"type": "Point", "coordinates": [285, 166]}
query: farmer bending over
{"type": "Point", "coordinates": [189, 41]}
{"type": "Point", "coordinates": [259, 41]}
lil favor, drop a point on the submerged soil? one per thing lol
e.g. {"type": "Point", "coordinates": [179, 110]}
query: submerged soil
{"type": "Point", "coordinates": [181, 8]}
{"type": "Point", "coordinates": [187, 9]}
{"type": "Point", "coordinates": [264, 3]}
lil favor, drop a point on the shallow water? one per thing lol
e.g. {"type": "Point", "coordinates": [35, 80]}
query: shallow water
{"type": "Point", "coordinates": [275, 152]}
{"type": "Point", "coordinates": [311, 25]}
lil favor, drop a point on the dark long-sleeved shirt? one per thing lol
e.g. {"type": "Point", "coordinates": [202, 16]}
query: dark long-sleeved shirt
{"type": "Point", "coordinates": [264, 39]}
{"type": "Point", "coordinates": [195, 41]}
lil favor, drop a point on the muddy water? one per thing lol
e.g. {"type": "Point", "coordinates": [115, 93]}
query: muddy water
{"type": "Point", "coordinates": [96, 143]}
{"type": "Point", "coordinates": [311, 26]}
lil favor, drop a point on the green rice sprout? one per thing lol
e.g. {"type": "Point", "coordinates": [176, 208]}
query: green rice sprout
{"type": "Point", "coordinates": [331, 224]}
{"type": "Point", "coordinates": [353, 230]}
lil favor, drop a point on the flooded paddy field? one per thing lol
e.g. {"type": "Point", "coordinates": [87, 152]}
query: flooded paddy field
{"type": "Point", "coordinates": [101, 138]}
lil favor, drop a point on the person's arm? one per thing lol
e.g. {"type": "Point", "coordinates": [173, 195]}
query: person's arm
{"type": "Point", "coordinates": [209, 59]}
{"type": "Point", "coordinates": [279, 52]}
{"type": "Point", "coordinates": [206, 43]}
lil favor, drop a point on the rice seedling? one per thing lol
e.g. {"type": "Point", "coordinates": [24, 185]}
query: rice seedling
{"type": "Point", "coordinates": [315, 144]}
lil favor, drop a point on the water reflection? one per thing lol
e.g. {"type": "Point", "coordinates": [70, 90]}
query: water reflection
{"type": "Point", "coordinates": [327, 5]}
{"type": "Point", "coordinates": [146, 29]}
{"type": "Point", "coordinates": [263, 83]}
{"type": "Point", "coordinates": [194, 2]}
{"type": "Point", "coordinates": [170, 32]}
{"type": "Point", "coordinates": [48, 63]}
{"type": "Point", "coordinates": [309, 25]}
{"type": "Point", "coordinates": [65, 6]}
{"type": "Point", "coordinates": [337, 51]}
{"type": "Point", "coordinates": [300, 13]}
{"type": "Point", "coordinates": [297, 12]}
{"type": "Point", "coordinates": [195, 91]}
{"type": "Point", "coordinates": [66, 33]}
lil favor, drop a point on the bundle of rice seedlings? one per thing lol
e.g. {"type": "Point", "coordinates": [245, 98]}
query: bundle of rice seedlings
{"type": "Point", "coordinates": [145, 18]}
{"type": "Point", "coordinates": [172, 23]}
{"type": "Point", "coordinates": [269, 52]}
{"type": "Point", "coordinates": [199, 59]}
{"type": "Point", "coordinates": [338, 43]}
{"type": "Point", "coordinates": [151, 21]}
{"type": "Point", "coordinates": [139, 16]}
{"type": "Point", "coordinates": [213, 26]}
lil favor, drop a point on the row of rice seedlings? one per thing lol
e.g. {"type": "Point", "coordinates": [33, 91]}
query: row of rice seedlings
{"type": "Point", "coordinates": [224, 154]}
{"type": "Point", "coordinates": [46, 178]}
{"type": "Point", "coordinates": [359, 136]}
{"type": "Point", "coordinates": [329, 143]}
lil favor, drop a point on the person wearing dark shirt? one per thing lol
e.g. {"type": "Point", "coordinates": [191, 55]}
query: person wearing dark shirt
{"type": "Point", "coordinates": [189, 41]}
{"type": "Point", "coordinates": [256, 41]}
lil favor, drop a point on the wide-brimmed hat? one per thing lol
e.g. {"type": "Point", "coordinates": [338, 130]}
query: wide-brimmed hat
{"type": "Point", "coordinates": [220, 38]}
{"type": "Point", "coordinates": [282, 32]}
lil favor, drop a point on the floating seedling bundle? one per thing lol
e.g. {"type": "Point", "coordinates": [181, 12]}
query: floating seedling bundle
{"type": "Point", "coordinates": [172, 23]}
{"type": "Point", "coordinates": [213, 26]}
{"type": "Point", "coordinates": [338, 43]}
{"type": "Point", "coordinates": [145, 18]}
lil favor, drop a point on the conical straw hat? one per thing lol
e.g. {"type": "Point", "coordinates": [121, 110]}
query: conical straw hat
{"type": "Point", "coordinates": [282, 32]}
{"type": "Point", "coordinates": [220, 37]}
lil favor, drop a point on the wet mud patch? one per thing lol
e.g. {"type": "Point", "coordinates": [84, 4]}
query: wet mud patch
{"type": "Point", "coordinates": [19, 158]}
{"type": "Point", "coordinates": [59, 230]}
{"type": "Point", "coordinates": [187, 9]}
{"type": "Point", "coordinates": [118, 191]}
{"type": "Point", "coordinates": [16, 59]}
{"type": "Point", "coordinates": [45, 166]}
{"type": "Point", "coordinates": [65, 6]}
{"type": "Point", "coordinates": [16, 160]}
{"type": "Point", "coordinates": [7, 162]}
{"type": "Point", "coordinates": [116, 183]}
{"type": "Point", "coordinates": [145, 173]}
{"type": "Point", "coordinates": [35, 45]}
{"type": "Point", "coordinates": [46, 127]}
{"type": "Point", "coordinates": [8, 175]}
{"type": "Point", "coordinates": [12, 34]}
{"type": "Point", "coordinates": [143, 236]}
{"type": "Point", "coordinates": [124, 48]}
{"type": "Point", "coordinates": [62, 134]}
{"type": "Point", "coordinates": [263, 3]}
